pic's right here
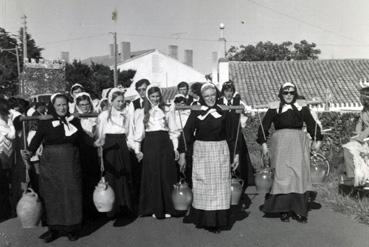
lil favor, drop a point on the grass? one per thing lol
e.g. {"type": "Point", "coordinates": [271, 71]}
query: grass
{"type": "Point", "coordinates": [355, 208]}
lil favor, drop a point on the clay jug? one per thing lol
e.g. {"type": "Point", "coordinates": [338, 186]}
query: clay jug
{"type": "Point", "coordinates": [319, 168]}
{"type": "Point", "coordinates": [236, 190]}
{"type": "Point", "coordinates": [181, 196]}
{"type": "Point", "coordinates": [103, 196]}
{"type": "Point", "coordinates": [264, 180]}
{"type": "Point", "coordinates": [29, 209]}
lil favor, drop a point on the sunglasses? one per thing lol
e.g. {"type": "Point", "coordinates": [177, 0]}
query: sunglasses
{"type": "Point", "coordinates": [289, 92]}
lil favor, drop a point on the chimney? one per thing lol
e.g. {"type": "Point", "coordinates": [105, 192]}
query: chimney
{"type": "Point", "coordinates": [64, 55]}
{"type": "Point", "coordinates": [173, 51]}
{"type": "Point", "coordinates": [188, 57]}
{"type": "Point", "coordinates": [111, 46]}
{"type": "Point", "coordinates": [126, 51]}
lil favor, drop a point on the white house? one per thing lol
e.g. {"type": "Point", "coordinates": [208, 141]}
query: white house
{"type": "Point", "coordinates": [160, 69]}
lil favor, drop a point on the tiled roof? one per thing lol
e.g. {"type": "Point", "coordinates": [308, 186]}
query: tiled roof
{"type": "Point", "coordinates": [109, 61]}
{"type": "Point", "coordinates": [260, 81]}
{"type": "Point", "coordinates": [169, 93]}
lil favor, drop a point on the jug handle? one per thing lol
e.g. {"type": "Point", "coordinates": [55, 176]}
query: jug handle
{"type": "Point", "coordinates": [31, 192]}
{"type": "Point", "coordinates": [105, 183]}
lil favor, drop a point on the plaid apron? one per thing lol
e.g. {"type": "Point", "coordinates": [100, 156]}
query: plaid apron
{"type": "Point", "coordinates": [211, 175]}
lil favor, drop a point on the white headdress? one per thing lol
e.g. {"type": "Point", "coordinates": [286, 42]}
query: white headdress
{"type": "Point", "coordinates": [147, 91]}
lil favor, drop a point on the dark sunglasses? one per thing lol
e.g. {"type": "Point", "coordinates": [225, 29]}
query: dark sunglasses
{"type": "Point", "coordinates": [289, 92]}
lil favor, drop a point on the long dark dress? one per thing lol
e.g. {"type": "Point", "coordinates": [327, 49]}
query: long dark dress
{"type": "Point", "coordinates": [118, 171]}
{"type": "Point", "coordinates": [136, 165]}
{"type": "Point", "coordinates": [90, 174]}
{"type": "Point", "coordinates": [18, 170]}
{"type": "Point", "coordinates": [245, 168]}
{"type": "Point", "coordinates": [290, 157]}
{"type": "Point", "coordinates": [211, 169]}
{"type": "Point", "coordinates": [159, 174]}
{"type": "Point", "coordinates": [60, 174]}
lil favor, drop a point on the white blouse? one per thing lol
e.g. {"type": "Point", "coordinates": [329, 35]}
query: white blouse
{"type": "Point", "coordinates": [7, 130]}
{"type": "Point", "coordinates": [117, 124]}
{"type": "Point", "coordinates": [158, 121]}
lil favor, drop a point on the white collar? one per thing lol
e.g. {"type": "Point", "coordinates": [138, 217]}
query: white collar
{"type": "Point", "coordinates": [211, 111]}
{"type": "Point", "coordinates": [287, 107]}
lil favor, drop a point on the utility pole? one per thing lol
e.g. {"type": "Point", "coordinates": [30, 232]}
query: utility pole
{"type": "Point", "coordinates": [115, 59]}
{"type": "Point", "coordinates": [25, 56]}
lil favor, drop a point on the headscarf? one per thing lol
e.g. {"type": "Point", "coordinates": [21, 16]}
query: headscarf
{"type": "Point", "coordinates": [147, 92]}
{"type": "Point", "coordinates": [109, 95]}
{"type": "Point", "coordinates": [208, 110]}
{"type": "Point", "coordinates": [74, 86]}
{"type": "Point", "coordinates": [89, 99]}
{"type": "Point", "coordinates": [69, 128]}
{"type": "Point", "coordinates": [87, 124]}
{"type": "Point", "coordinates": [283, 106]}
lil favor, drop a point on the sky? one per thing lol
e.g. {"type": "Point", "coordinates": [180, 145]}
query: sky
{"type": "Point", "coordinates": [339, 28]}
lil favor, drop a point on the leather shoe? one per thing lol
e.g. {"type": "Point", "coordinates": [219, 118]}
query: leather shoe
{"type": "Point", "coordinates": [285, 217]}
{"type": "Point", "coordinates": [51, 236]}
{"type": "Point", "coordinates": [45, 234]}
{"type": "Point", "coordinates": [300, 218]}
{"type": "Point", "coordinates": [72, 236]}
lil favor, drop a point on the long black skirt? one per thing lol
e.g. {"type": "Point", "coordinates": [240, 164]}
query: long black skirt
{"type": "Point", "coordinates": [60, 185]}
{"type": "Point", "coordinates": [292, 202]}
{"type": "Point", "coordinates": [5, 212]}
{"type": "Point", "coordinates": [118, 170]}
{"type": "Point", "coordinates": [208, 219]}
{"type": "Point", "coordinates": [90, 177]}
{"type": "Point", "coordinates": [159, 174]}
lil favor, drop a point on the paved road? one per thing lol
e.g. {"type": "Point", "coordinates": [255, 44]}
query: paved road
{"type": "Point", "coordinates": [325, 228]}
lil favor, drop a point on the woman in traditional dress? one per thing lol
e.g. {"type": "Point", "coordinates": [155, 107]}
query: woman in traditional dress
{"type": "Point", "coordinates": [181, 117]}
{"type": "Point", "coordinates": [112, 129]}
{"type": "Point", "coordinates": [60, 172]}
{"type": "Point", "coordinates": [156, 126]}
{"type": "Point", "coordinates": [88, 152]}
{"type": "Point", "coordinates": [356, 150]}
{"type": "Point", "coordinates": [7, 135]}
{"type": "Point", "coordinates": [290, 154]}
{"type": "Point", "coordinates": [236, 121]}
{"type": "Point", "coordinates": [211, 176]}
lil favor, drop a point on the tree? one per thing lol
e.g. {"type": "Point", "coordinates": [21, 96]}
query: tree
{"type": "Point", "coordinates": [268, 51]}
{"type": "Point", "coordinates": [8, 61]}
{"type": "Point", "coordinates": [96, 77]}
{"type": "Point", "coordinates": [305, 51]}
{"type": "Point", "coordinates": [8, 64]}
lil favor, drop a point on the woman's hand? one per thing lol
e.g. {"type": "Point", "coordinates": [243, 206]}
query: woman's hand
{"type": "Point", "coordinates": [26, 155]}
{"type": "Point", "coordinates": [265, 149]}
{"type": "Point", "coordinates": [236, 162]}
{"type": "Point", "coordinates": [317, 145]}
{"type": "Point", "coordinates": [176, 155]}
{"type": "Point", "coordinates": [139, 156]}
{"type": "Point", "coordinates": [99, 143]}
{"type": "Point", "coordinates": [182, 162]}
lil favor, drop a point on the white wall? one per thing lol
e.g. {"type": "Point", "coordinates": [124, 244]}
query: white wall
{"type": "Point", "coordinates": [161, 70]}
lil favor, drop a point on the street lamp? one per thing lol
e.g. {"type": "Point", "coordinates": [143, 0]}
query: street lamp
{"type": "Point", "coordinates": [222, 38]}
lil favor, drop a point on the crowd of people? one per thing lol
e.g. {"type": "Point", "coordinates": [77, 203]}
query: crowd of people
{"type": "Point", "coordinates": [146, 146]}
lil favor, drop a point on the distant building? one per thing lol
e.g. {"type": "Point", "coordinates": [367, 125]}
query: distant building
{"type": "Point", "coordinates": [154, 65]}
{"type": "Point", "coordinates": [259, 82]}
